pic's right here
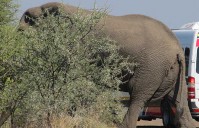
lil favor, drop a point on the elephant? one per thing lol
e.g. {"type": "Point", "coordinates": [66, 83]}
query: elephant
{"type": "Point", "coordinates": [150, 43]}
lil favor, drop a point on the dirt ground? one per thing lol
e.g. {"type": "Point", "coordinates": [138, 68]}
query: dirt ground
{"type": "Point", "coordinates": [155, 124]}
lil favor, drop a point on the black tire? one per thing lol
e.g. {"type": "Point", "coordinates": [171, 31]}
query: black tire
{"type": "Point", "coordinates": [167, 114]}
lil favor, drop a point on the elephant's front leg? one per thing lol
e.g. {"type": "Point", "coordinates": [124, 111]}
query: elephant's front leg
{"type": "Point", "coordinates": [130, 119]}
{"type": "Point", "coordinates": [139, 95]}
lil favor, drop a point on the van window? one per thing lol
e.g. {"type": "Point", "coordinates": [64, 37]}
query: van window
{"type": "Point", "coordinates": [187, 53]}
{"type": "Point", "coordinates": [197, 61]}
{"type": "Point", "coordinates": [186, 39]}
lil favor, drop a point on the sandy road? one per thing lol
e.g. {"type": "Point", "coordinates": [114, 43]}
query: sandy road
{"type": "Point", "coordinates": [155, 124]}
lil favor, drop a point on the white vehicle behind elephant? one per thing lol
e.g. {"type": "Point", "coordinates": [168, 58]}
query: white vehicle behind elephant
{"type": "Point", "coordinates": [188, 36]}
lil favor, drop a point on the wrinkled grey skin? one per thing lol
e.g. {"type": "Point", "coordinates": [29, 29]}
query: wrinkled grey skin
{"type": "Point", "coordinates": [151, 44]}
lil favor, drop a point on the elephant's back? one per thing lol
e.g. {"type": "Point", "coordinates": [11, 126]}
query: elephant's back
{"type": "Point", "coordinates": [142, 36]}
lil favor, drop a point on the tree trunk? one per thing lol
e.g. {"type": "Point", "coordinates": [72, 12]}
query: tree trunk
{"type": "Point", "coordinates": [4, 116]}
{"type": "Point", "coordinates": [48, 120]}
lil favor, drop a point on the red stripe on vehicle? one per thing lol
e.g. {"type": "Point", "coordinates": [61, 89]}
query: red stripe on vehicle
{"type": "Point", "coordinates": [156, 111]}
{"type": "Point", "coordinates": [153, 111]}
{"type": "Point", "coordinates": [197, 43]}
{"type": "Point", "coordinates": [195, 110]}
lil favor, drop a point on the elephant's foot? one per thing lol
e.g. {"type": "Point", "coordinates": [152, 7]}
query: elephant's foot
{"type": "Point", "coordinates": [184, 123]}
{"type": "Point", "coordinates": [120, 126]}
{"type": "Point", "coordinates": [123, 125]}
{"type": "Point", "coordinates": [185, 120]}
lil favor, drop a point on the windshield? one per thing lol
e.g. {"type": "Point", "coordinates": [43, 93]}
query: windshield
{"type": "Point", "coordinates": [186, 40]}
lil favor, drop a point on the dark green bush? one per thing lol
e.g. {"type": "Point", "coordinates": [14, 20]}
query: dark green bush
{"type": "Point", "coordinates": [67, 66]}
{"type": "Point", "coordinates": [11, 94]}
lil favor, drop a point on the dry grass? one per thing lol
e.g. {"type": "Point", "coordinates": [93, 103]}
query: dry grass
{"type": "Point", "coordinates": [65, 121]}
{"type": "Point", "coordinates": [78, 122]}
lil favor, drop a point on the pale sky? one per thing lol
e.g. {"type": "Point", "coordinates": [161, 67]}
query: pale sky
{"type": "Point", "coordinates": [173, 13]}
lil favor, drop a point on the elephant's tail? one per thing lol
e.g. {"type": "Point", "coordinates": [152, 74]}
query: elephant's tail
{"type": "Point", "coordinates": [181, 82]}
{"type": "Point", "coordinates": [180, 92]}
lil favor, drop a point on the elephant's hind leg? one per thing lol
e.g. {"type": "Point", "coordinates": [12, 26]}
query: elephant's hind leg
{"type": "Point", "coordinates": [183, 117]}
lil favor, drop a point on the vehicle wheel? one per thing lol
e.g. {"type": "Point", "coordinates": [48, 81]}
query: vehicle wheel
{"type": "Point", "coordinates": [167, 114]}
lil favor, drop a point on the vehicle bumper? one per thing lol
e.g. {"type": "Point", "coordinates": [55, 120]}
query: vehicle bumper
{"type": "Point", "coordinates": [194, 108]}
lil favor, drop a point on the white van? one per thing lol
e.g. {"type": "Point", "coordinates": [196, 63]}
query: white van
{"type": "Point", "coordinates": [188, 36]}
